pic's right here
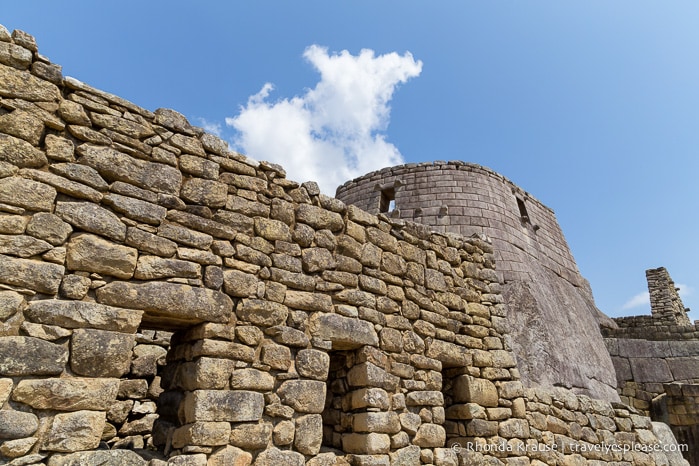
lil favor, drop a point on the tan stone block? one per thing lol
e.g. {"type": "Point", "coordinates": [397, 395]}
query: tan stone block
{"type": "Point", "coordinates": [309, 434]}
{"type": "Point", "coordinates": [79, 430]}
{"type": "Point", "coordinates": [366, 444]}
{"type": "Point", "coordinates": [473, 390]}
{"type": "Point", "coordinates": [305, 396]}
{"type": "Point", "coordinates": [223, 405]}
{"type": "Point", "coordinates": [100, 353]}
{"type": "Point", "coordinates": [284, 432]}
{"type": "Point", "coordinates": [366, 398]}
{"type": "Point", "coordinates": [381, 422]}
{"type": "Point", "coordinates": [202, 433]}
{"type": "Point", "coordinates": [229, 456]}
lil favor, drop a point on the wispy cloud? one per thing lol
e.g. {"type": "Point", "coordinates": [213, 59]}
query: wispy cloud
{"type": "Point", "coordinates": [210, 127]}
{"type": "Point", "coordinates": [641, 299]}
{"type": "Point", "coordinates": [333, 132]}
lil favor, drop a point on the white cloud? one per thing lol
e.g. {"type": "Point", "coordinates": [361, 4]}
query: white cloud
{"type": "Point", "coordinates": [209, 127]}
{"type": "Point", "coordinates": [638, 300]}
{"type": "Point", "coordinates": [685, 290]}
{"type": "Point", "coordinates": [333, 132]}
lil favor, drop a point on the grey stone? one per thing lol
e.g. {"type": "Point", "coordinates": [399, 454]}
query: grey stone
{"type": "Point", "coordinates": [313, 364]}
{"type": "Point", "coordinates": [115, 166]}
{"type": "Point", "coordinates": [10, 303]}
{"type": "Point", "coordinates": [650, 370]}
{"type": "Point", "coordinates": [77, 314]}
{"type": "Point", "coordinates": [153, 267]}
{"type": "Point", "coordinates": [17, 424]}
{"type": "Point", "coordinates": [94, 254]}
{"type": "Point", "coordinates": [13, 224]}
{"type": "Point", "coordinates": [47, 358]}
{"type": "Point", "coordinates": [174, 302]}
{"type": "Point", "coordinates": [276, 457]}
{"type": "Point", "coordinates": [62, 185]}
{"type": "Point", "coordinates": [343, 332]}
{"type": "Point", "coordinates": [319, 218]}
{"type": "Point", "coordinates": [205, 192]}
{"type": "Point", "coordinates": [75, 286]}
{"type": "Point", "coordinates": [81, 173]}
{"type": "Point", "coordinates": [67, 394]}
{"type": "Point", "coordinates": [150, 243]}
{"type": "Point", "coordinates": [38, 276]}
{"type": "Point", "coordinates": [100, 353]}
{"type": "Point", "coordinates": [92, 218]}
{"type": "Point", "coordinates": [22, 245]}
{"type": "Point", "coordinates": [28, 194]}
{"type": "Point", "coordinates": [309, 434]}
{"type": "Point", "coordinates": [223, 405]}
{"type": "Point", "coordinates": [262, 313]}
{"type": "Point", "coordinates": [98, 458]}
{"type": "Point", "coordinates": [305, 396]}
{"type": "Point", "coordinates": [80, 430]}
{"type": "Point", "coordinates": [136, 209]}
{"type": "Point", "coordinates": [251, 436]}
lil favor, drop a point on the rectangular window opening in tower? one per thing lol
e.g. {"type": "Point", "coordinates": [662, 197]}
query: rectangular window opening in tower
{"type": "Point", "coordinates": [388, 200]}
{"type": "Point", "coordinates": [522, 210]}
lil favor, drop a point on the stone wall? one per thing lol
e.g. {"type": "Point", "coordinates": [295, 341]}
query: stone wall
{"type": "Point", "coordinates": [166, 301]}
{"type": "Point", "coordinates": [552, 318]}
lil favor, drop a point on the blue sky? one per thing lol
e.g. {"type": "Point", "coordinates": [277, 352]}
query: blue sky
{"type": "Point", "coordinates": [592, 107]}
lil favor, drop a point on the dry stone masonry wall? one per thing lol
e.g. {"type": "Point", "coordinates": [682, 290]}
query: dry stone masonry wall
{"type": "Point", "coordinates": [542, 288]}
{"type": "Point", "coordinates": [165, 301]}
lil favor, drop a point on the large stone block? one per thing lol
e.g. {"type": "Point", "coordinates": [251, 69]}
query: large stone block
{"type": "Point", "coordinates": [205, 192]}
{"type": "Point", "coordinates": [469, 389]}
{"type": "Point", "coordinates": [650, 370]}
{"type": "Point", "coordinates": [154, 267]}
{"type": "Point", "coordinates": [313, 364]}
{"type": "Point", "coordinates": [343, 332]}
{"type": "Point", "coordinates": [10, 303]}
{"type": "Point", "coordinates": [450, 354]}
{"type": "Point", "coordinates": [262, 313]}
{"type": "Point", "coordinates": [276, 457]}
{"type": "Point", "coordinates": [382, 422]}
{"type": "Point", "coordinates": [251, 436]}
{"type": "Point", "coordinates": [305, 396]}
{"type": "Point", "coordinates": [82, 314]}
{"type": "Point", "coordinates": [23, 85]}
{"type": "Point", "coordinates": [309, 434]}
{"type": "Point", "coordinates": [46, 358]}
{"type": "Point", "coordinates": [17, 424]}
{"type": "Point", "coordinates": [230, 456]}
{"type": "Point", "coordinates": [98, 458]}
{"type": "Point", "coordinates": [366, 444]}
{"type": "Point", "coordinates": [49, 227]}
{"type": "Point", "coordinates": [80, 430]}
{"type": "Point", "coordinates": [20, 153]}
{"type": "Point", "coordinates": [42, 277]}
{"type": "Point", "coordinates": [28, 194]}
{"type": "Point", "coordinates": [684, 368]}
{"type": "Point", "coordinates": [67, 394]}
{"type": "Point", "coordinates": [93, 218]}
{"type": "Point", "coordinates": [171, 302]}
{"type": "Point", "coordinates": [101, 353]}
{"type": "Point", "coordinates": [319, 218]}
{"type": "Point", "coordinates": [91, 253]}
{"type": "Point", "coordinates": [430, 436]}
{"type": "Point", "coordinates": [115, 166]}
{"type": "Point", "coordinates": [369, 375]}
{"type": "Point", "coordinates": [223, 405]}
{"type": "Point", "coordinates": [202, 433]}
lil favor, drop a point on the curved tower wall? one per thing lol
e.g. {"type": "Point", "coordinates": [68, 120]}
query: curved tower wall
{"type": "Point", "coordinates": [552, 316]}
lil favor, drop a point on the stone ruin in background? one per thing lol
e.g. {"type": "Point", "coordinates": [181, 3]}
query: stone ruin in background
{"type": "Point", "coordinates": [164, 300]}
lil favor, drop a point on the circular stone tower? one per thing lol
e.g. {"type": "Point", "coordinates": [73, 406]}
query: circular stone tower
{"type": "Point", "coordinates": [552, 318]}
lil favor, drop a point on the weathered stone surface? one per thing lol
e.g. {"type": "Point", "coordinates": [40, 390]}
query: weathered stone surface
{"type": "Point", "coordinates": [150, 243]}
{"type": "Point", "coordinates": [319, 218]}
{"type": "Point", "coordinates": [313, 364]}
{"type": "Point", "coordinates": [223, 405]}
{"type": "Point", "coordinates": [22, 85]}
{"type": "Point", "coordinates": [469, 389]}
{"type": "Point", "coordinates": [274, 456]}
{"type": "Point", "coordinates": [67, 394]}
{"type": "Point", "coordinates": [115, 166]}
{"type": "Point", "coordinates": [450, 354]}
{"type": "Point", "coordinates": [262, 313]}
{"type": "Point", "coordinates": [122, 125]}
{"type": "Point", "coordinates": [92, 218]}
{"type": "Point", "coordinates": [650, 370]}
{"type": "Point", "coordinates": [13, 224]}
{"type": "Point", "coordinates": [28, 194]}
{"type": "Point", "coordinates": [136, 209]}
{"type": "Point", "coordinates": [38, 276]}
{"type": "Point", "coordinates": [100, 353]}
{"type": "Point", "coordinates": [240, 284]}
{"type": "Point", "coordinates": [20, 153]}
{"type": "Point", "coordinates": [366, 444]}
{"type": "Point", "coordinates": [77, 314]}
{"type": "Point", "coordinates": [251, 379]}
{"type": "Point", "coordinates": [18, 447]}
{"type": "Point", "coordinates": [22, 245]}
{"type": "Point", "coordinates": [367, 374]}
{"type": "Point", "coordinates": [23, 125]}
{"type": "Point", "coordinates": [305, 396]}
{"type": "Point", "coordinates": [251, 436]}
{"type": "Point", "coordinates": [74, 113]}
{"type": "Point", "coordinates": [387, 422]}
{"type": "Point", "coordinates": [47, 358]}
{"type": "Point", "coordinates": [185, 236]}
{"type": "Point", "coordinates": [80, 173]}
{"type": "Point", "coordinates": [10, 303]}
{"type": "Point", "coordinates": [17, 424]}
{"type": "Point", "coordinates": [202, 433]}
{"type": "Point", "coordinates": [230, 456]}
{"type": "Point", "coordinates": [15, 56]}
{"type": "Point", "coordinates": [75, 286]}
{"type": "Point", "coordinates": [317, 260]}
{"type": "Point", "coordinates": [171, 301]}
{"type": "Point", "coordinates": [94, 254]}
{"type": "Point", "coordinates": [153, 267]}
{"type": "Point", "coordinates": [98, 458]}
{"type": "Point", "coordinates": [80, 430]}
{"type": "Point", "coordinates": [430, 436]}
{"type": "Point", "coordinates": [205, 192]}
{"type": "Point", "coordinates": [309, 434]}
{"type": "Point", "coordinates": [343, 332]}
{"type": "Point", "coordinates": [58, 148]}
{"type": "Point", "coordinates": [49, 227]}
